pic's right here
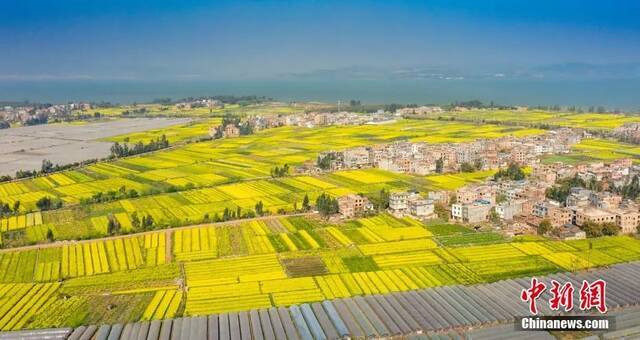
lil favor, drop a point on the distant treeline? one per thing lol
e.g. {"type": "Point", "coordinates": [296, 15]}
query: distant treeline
{"type": "Point", "coordinates": [123, 150]}
{"type": "Point", "coordinates": [46, 168]}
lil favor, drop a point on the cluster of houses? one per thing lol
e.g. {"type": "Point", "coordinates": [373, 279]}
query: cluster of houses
{"type": "Point", "coordinates": [316, 119]}
{"type": "Point", "coordinates": [424, 158]}
{"type": "Point", "coordinates": [309, 120]}
{"type": "Point", "coordinates": [522, 205]}
{"type": "Point", "coordinates": [525, 202]}
{"type": "Point", "coordinates": [420, 110]}
{"type": "Point", "coordinates": [400, 204]}
{"type": "Point", "coordinates": [629, 132]}
{"type": "Point", "coordinates": [203, 102]}
{"type": "Point", "coordinates": [21, 114]}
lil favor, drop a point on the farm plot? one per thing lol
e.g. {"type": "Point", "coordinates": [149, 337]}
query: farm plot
{"type": "Point", "coordinates": [20, 302]}
{"type": "Point", "coordinates": [164, 305]}
{"type": "Point", "coordinates": [483, 253]}
{"type": "Point", "coordinates": [20, 221]}
{"type": "Point", "coordinates": [195, 244]}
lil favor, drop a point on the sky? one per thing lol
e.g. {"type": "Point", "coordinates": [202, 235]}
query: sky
{"type": "Point", "coordinates": [235, 40]}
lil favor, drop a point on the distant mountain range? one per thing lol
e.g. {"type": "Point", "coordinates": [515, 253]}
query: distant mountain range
{"type": "Point", "coordinates": [573, 71]}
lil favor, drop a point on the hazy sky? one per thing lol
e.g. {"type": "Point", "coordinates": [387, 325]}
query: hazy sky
{"type": "Point", "coordinates": [182, 39]}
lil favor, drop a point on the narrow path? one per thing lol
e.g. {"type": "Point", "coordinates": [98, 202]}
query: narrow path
{"type": "Point", "coordinates": [168, 230]}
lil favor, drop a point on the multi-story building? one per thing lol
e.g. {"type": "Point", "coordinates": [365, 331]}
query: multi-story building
{"type": "Point", "coordinates": [353, 205]}
{"type": "Point", "coordinates": [356, 158]}
{"type": "Point", "coordinates": [231, 131]}
{"type": "Point", "coordinates": [411, 204]}
{"type": "Point", "coordinates": [475, 212]}
{"type": "Point", "coordinates": [594, 215]}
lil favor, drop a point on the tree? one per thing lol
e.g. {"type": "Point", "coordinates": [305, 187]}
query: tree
{"type": "Point", "coordinates": [610, 229]}
{"type": "Point", "coordinates": [113, 226]}
{"type": "Point", "coordinates": [305, 203]}
{"type": "Point", "coordinates": [561, 191]}
{"type": "Point", "coordinates": [47, 166]}
{"type": "Point", "coordinates": [50, 237]}
{"type": "Point", "coordinates": [544, 227]}
{"type": "Point", "coordinates": [440, 165]}
{"type": "Point", "coordinates": [631, 190]}
{"type": "Point", "coordinates": [260, 208]}
{"type": "Point", "coordinates": [326, 205]}
{"type": "Point", "coordinates": [441, 210]}
{"type": "Point", "coordinates": [16, 206]}
{"type": "Point", "coordinates": [147, 222]}
{"type": "Point", "coordinates": [513, 172]}
{"type": "Point", "coordinates": [384, 198]}
{"type": "Point", "coordinates": [44, 203]}
{"type": "Point", "coordinates": [478, 163]}
{"type": "Point", "coordinates": [493, 216]}
{"type": "Point", "coordinates": [135, 221]}
{"type": "Point", "coordinates": [467, 167]}
{"type": "Point", "coordinates": [324, 162]}
{"type": "Point", "coordinates": [592, 229]}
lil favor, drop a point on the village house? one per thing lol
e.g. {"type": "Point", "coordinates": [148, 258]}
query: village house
{"type": "Point", "coordinates": [231, 131]}
{"type": "Point", "coordinates": [571, 232]}
{"type": "Point", "coordinates": [475, 212]}
{"type": "Point", "coordinates": [441, 196]}
{"type": "Point", "coordinates": [353, 205]}
{"type": "Point", "coordinates": [509, 209]}
{"type": "Point", "coordinates": [627, 219]}
{"type": "Point", "coordinates": [356, 158]}
{"type": "Point", "coordinates": [594, 215]}
{"type": "Point", "coordinates": [410, 204]}
{"type": "Point", "coordinates": [423, 158]}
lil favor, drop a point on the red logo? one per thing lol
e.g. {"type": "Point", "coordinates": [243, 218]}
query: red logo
{"type": "Point", "coordinates": [562, 296]}
{"type": "Point", "coordinates": [591, 295]}
{"type": "Point", "coordinates": [532, 294]}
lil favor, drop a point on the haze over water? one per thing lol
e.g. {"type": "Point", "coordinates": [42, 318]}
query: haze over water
{"type": "Point", "coordinates": [614, 94]}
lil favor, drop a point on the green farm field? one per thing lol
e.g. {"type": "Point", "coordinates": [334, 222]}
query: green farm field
{"type": "Point", "coordinates": [597, 149]}
{"type": "Point", "coordinates": [175, 134]}
{"type": "Point", "coordinates": [204, 112]}
{"type": "Point", "coordinates": [590, 121]}
{"type": "Point", "coordinates": [278, 261]}
{"type": "Point", "coordinates": [228, 173]}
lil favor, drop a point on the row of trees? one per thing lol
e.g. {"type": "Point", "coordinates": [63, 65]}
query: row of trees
{"type": "Point", "coordinates": [593, 229]}
{"type": "Point", "coordinates": [513, 172]}
{"type": "Point", "coordinates": [324, 162]}
{"type": "Point", "coordinates": [47, 203]}
{"type": "Point", "coordinates": [111, 195]}
{"type": "Point", "coordinates": [280, 171]}
{"type": "Point", "coordinates": [123, 150]}
{"type": "Point", "coordinates": [631, 190]}
{"type": "Point", "coordinates": [6, 209]}
{"type": "Point", "coordinates": [326, 205]}
{"type": "Point", "coordinates": [471, 167]}
{"type": "Point", "coordinates": [562, 189]}
{"type": "Point", "coordinates": [47, 167]}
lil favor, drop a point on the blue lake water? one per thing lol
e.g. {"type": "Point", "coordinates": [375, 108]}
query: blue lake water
{"type": "Point", "coordinates": [621, 94]}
